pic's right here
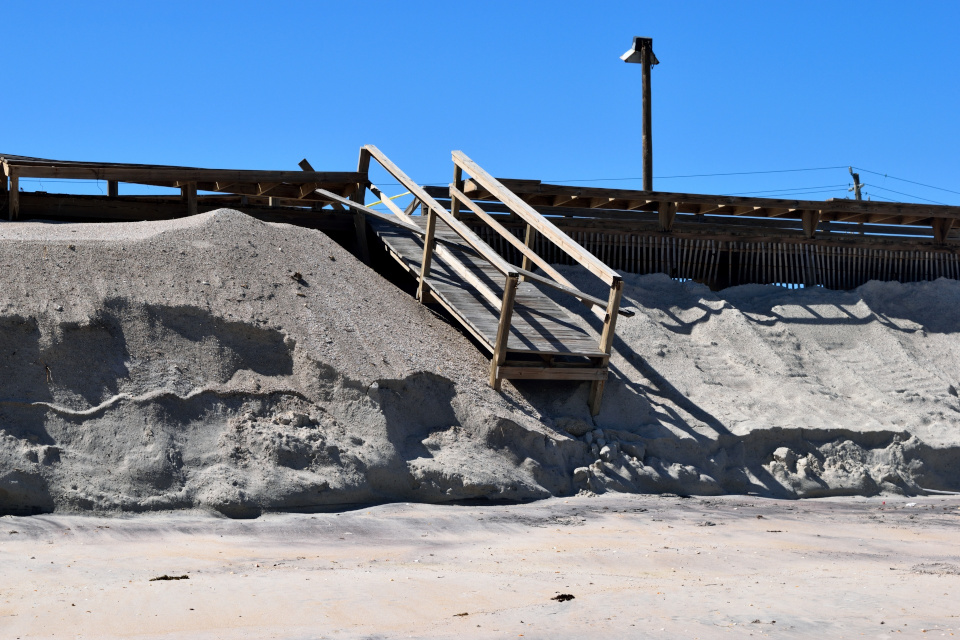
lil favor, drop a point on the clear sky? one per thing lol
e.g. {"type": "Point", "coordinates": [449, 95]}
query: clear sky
{"type": "Point", "coordinates": [527, 89]}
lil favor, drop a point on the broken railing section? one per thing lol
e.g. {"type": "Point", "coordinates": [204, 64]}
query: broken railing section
{"type": "Point", "coordinates": [537, 223]}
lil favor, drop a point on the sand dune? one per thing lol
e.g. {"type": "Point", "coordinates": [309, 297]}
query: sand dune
{"type": "Point", "coordinates": [223, 363]}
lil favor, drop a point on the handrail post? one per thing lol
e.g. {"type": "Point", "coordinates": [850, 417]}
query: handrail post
{"type": "Point", "coordinates": [14, 197]}
{"type": "Point", "coordinates": [606, 341]}
{"type": "Point", "coordinates": [528, 241]}
{"type": "Point", "coordinates": [503, 330]}
{"type": "Point", "coordinates": [429, 242]}
{"type": "Point", "coordinates": [458, 183]}
{"type": "Point", "coordinates": [188, 191]}
{"type": "Point", "coordinates": [360, 196]}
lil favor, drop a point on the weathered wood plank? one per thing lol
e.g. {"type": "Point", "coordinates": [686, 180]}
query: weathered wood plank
{"type": "Point", "coordinates": [477, 190]}
{"type": "Point", "coordinates": [532, 217]}
{"type": "Point", "coordinates": [529, 255]}
{"type": "Point", "coordinates": [503, 330]}
{"type": "Point", "coordinates": [551, 373]}
{"type": "Point", "coordinates": [539, 324]}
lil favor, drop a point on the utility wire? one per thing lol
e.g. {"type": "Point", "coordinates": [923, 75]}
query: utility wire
{"type": "Point", "coordinates": [886, 175]}
{"type": "Point", "coordinates": [909, 195]}
{"type": "Point", "coordinates": [704, 175]}
{"type": "Point", "coordinates": [832, 187]}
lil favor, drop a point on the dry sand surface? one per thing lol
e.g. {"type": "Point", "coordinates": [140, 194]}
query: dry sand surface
{"type": "Point", "coordinates": [637, 566]}
{"type": "Point", "coordinates": [221, 363]}
{"type": "Point", "coordinates": [158, 381]}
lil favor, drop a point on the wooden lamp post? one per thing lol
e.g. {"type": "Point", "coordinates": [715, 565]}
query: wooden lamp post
{"type": "Point", "coordinates": [642, 52]}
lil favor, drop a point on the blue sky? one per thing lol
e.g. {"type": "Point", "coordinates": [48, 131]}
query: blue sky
{"type": "Point", "coordinates": [527, 89]}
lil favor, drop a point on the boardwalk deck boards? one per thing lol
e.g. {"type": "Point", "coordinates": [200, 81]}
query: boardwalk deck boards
{"type": "Point", "coordinates": [540, 325]}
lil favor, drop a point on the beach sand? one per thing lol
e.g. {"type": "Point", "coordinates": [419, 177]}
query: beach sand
{"type": "Point", "coordinates": [637, 566]}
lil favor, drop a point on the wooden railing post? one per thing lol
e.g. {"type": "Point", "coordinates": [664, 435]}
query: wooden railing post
{"type": "Point", "coordinates": [14, 197]}
{"type": "Point", "coordinates": [360, 196]}
{"type": "Point", "coordinates": [503, 330]}
{"type": "Point", "coordinates": [458, 183]}
{"type": "Point", "coordinates": [941, 228]}
{"type": "Point", "coordinates": [606, 341]}
{"type": "Point", "coordinates": [528, 241]}
{"type": "Point", "coordinates": [188, 191]}
{"type": "Point", "coordinates": [810, 221]}
{"type": "Point", "coordinates": [667, 213]}
{"type": "Point", "coordinates": [113, 188]}
{"type": "Point", "coordinates": [429, 242]}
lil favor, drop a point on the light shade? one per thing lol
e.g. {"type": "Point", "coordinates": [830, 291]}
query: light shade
{"type": "Point", "coordinates": [635, 54]}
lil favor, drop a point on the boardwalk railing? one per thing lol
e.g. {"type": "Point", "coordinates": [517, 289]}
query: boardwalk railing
{"type": "Point", "coordinates": [725, 241]}
{"type": "Point", "coordinates": [537, 223]}
{"type": "Point", "coordinates": [443, 248]}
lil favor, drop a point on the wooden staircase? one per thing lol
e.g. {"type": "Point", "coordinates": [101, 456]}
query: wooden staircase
{"type": "Point", "coordinates": [503, 306]}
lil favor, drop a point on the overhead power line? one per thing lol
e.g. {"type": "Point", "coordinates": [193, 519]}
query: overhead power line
{"type": "Point", "coordinates": [702, 175]}
{"type": "Point", "coordinates": [929, 186]}
{"type": "Point", "coordinates": [909, 195]}
{"type": "Point", "coordinates": [831, 187]}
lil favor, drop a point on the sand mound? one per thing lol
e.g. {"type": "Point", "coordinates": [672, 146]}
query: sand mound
{"type": "Point", "coordinates": [782, 392]}
{"type": "Point", "coordinates": [219, 362]}
{"type": "Point", "coordinates": [222, 362]}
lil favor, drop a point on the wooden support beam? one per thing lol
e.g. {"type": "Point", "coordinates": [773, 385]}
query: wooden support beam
{"type": "Point", "coordinates": [941, 227]}
{"type": "Point", "coordinates": [551, 373]}
{"type": "Point", "coordinates": [841, 205]}
{"type": "Point", "coordinates": [528, 240]}
{"type": "Point", "coordinates": [560, 200]}
{"type": "Point", "coordinates": [360, 196]}
{"type": "Point", "coordinates": [811, 219]}
{"type": "Point", "coordinates": [113, 188]}
{"type": "Point", "coordinates": [13, 202]}
{"type": "Point", "coordinates": [713, 208]}
{"type": "Point", "coordinates": [503, 330]}
{"type": "Point", "coordinates": [458, 184]}
{"type": "Point", "coordinates": [667, 214]}
{"type": "Point", "coordinates": [599, 203]}
{"type": "Point", "coordinates": [167, 175]}
{"type": "Point", "coordinates": [429, 244]}
{"type": "Point", "coordinates": [189, 194]}
{"type": "Point", "coordinates": [263, 188]}
{"type": "Point", "coordinates": [778, 212]}
{"type": "Point", "coordinates": [308, 189]}
{"type": "Point", "coordinates": [606, 342]}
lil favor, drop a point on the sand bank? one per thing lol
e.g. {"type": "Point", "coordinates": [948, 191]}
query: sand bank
{"type": "Point", "coordinates": [222, 363]}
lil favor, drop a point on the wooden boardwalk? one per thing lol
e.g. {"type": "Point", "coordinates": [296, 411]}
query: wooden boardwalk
{"type": "Point", "coordinates": [527, 334]}
{"type": "Point", "coordinates": [540, 326]}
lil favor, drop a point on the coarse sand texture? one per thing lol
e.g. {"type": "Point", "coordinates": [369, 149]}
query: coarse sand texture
{"type": "Point", "coordinates": [223, 363]}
